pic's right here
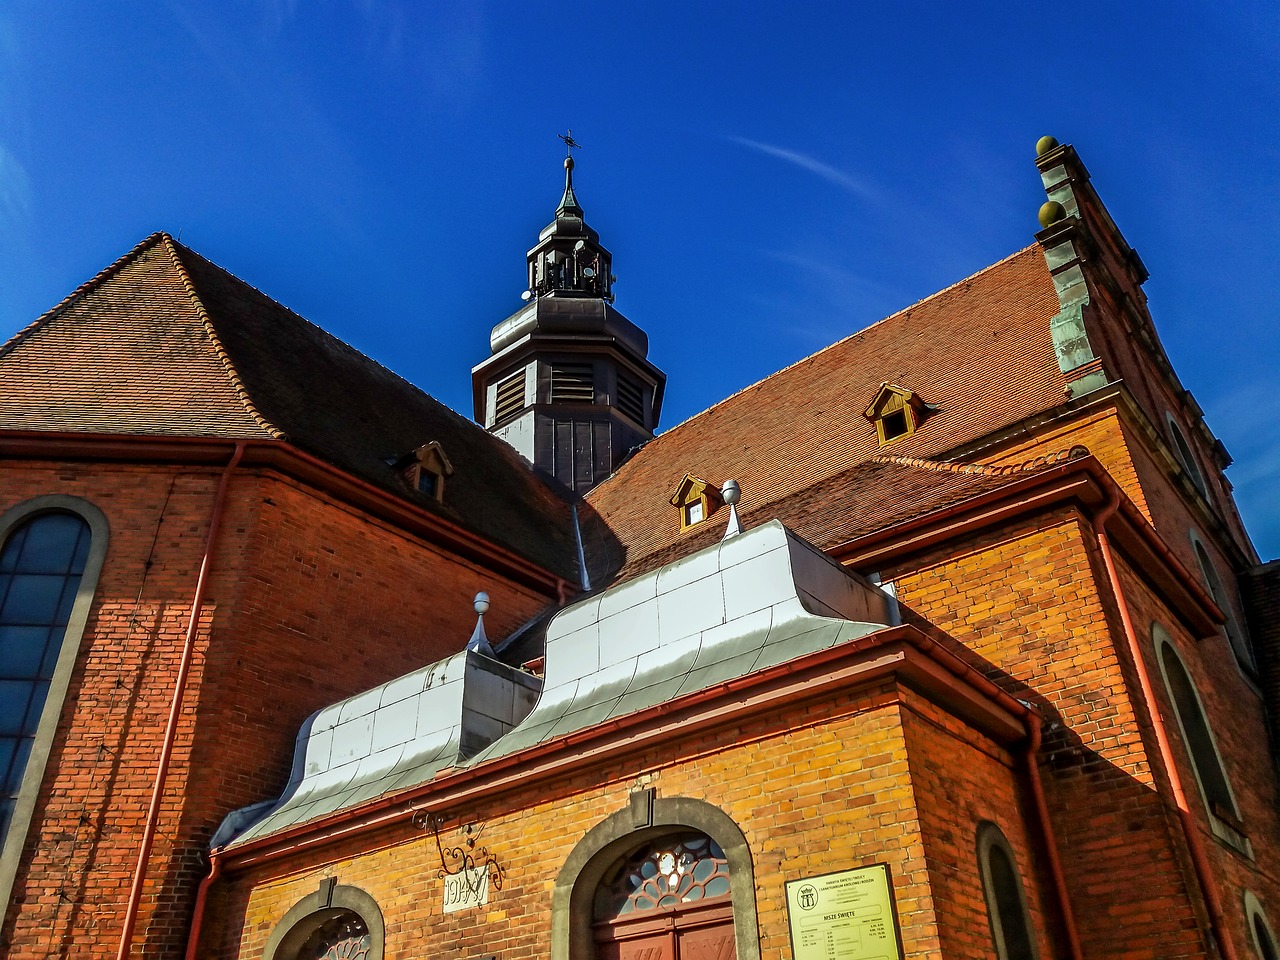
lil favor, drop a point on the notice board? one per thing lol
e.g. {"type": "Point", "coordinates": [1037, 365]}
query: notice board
{"type": "Point", "coordinates": [848, 915]}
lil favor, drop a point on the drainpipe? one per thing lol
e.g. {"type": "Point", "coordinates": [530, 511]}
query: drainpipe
{"type": "Point", "coordinates": [1190, 829]}
{"type": "Point", "coordinates": [175, 708]}
{"type": "Point", "coordinates": [202, 894]}
{"type": "Point", "coordinates": [1032, 721]}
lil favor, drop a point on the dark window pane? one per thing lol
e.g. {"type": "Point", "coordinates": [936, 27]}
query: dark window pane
{"type": "Point", "coordinates": [20, 754]}
{"type": "Point", "coordinates": [15, 696]}
{"type": "Point", "coordinates": [32, 599]}
{"type": "Point", "coordinates": [51, 543]}
{"type": "Point", "coordinates": [8, 748]}
{"type": "Point", "coordinates": [39, 691]}
{"type": "Point", "coordinates": [1013, 921]}
{"type": "Point", "coordinates": [13, 549]}
{"type": "Point", "coordinates": [81, 556]}
{"type": "Point", "coordinates": [1264, 939]}
{"type": "Point", "coordinates": [6, 814]}
{"type": "Point", "coordinates": [70, 586]}
{"type": "Point", "coordinates": [21, 651]}
{"type": "Point", "coordinates": [1196, 729]}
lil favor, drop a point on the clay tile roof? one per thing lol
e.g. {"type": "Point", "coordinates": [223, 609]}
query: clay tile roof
{"type": "Point", "coordinates": [980, 353]}
{"type": "Point", "coordinates": [163, 342]}
{"type": "Point", "coordinates": [870, 496]}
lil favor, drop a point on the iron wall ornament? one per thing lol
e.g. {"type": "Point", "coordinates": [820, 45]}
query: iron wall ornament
{"type": "Point", "coordinates": [464, 859]}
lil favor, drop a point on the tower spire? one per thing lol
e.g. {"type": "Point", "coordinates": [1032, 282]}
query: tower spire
{"type": "Point", "coordinates": [569, 206]}
{"type": "Point", "coordinates": [569, 383]}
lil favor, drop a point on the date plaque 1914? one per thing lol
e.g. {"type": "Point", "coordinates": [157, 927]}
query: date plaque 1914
{"type": "Point", "coordinates": [466, 889]}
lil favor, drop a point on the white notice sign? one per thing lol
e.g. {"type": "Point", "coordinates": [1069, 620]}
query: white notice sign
{"type": "Point", "coordinates": [844, 916]}
{"type": "Point", "coordinates": [467, 889]}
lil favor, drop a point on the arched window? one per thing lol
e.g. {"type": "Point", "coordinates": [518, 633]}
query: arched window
{"type": "Point", "coordinates": [1182, 450]}
{"type": "Point", "coordinates": [664, 878]}
{"type": "Point", "coordinates": [1011, 931]}
{"type": "Point", "coordinates": [51, 551]}
{"type": "Point", "coordinates": [1240, 645]}
{"type": "Point", "coordinates": [1224, 817]}
{"type": "Point", "coordinates": [335, 923]}
{"type": "Point", "coordinates": [1263, 941]}
{"type": "Point", "coordinates": [670, 898]}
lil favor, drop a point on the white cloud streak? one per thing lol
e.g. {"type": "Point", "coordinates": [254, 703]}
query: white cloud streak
{"type": "Point", "coordinates": [850, 184]}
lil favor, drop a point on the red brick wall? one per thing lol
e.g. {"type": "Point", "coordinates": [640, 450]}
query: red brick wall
{"type": "Point", "coordinates": [309, 601]}
{"type": "Point", "coordinates": [960, 779]}
{"type": "Point", "coordinates": [1028, 600]}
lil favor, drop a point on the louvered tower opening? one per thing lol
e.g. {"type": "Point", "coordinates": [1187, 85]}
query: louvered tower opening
{"type": "Point", "coordinates": [572, 383]}
{"type": "Point", "coordinates": [510, 398]}
{"type": "Point", "coordinates": [631, 399]}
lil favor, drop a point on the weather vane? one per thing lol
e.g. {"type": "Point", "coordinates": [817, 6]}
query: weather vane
{"type": "Point", "coordinates": [570, 144]}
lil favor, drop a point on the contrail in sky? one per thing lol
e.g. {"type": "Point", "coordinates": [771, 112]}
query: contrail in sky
{"type": "Point", "coordinates": [813, 165]}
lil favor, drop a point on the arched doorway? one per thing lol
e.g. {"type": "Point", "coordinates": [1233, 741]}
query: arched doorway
{"type": "Point", "coordinates": [661, 879]}
{"type": "Point", "coordinates": [668, 899]}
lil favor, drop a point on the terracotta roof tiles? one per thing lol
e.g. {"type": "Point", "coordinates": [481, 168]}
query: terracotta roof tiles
{"type": "Point", "coordinates": [163, 342]}
{"type": "Point", "coordinates": [980, 353]}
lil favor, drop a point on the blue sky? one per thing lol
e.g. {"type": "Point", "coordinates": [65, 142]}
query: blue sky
{"type": "Point", "coordinates": [769, 177]}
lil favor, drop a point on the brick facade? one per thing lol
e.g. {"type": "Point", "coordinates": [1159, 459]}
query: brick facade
{"type": "Point", "coordinates": [310, 600]}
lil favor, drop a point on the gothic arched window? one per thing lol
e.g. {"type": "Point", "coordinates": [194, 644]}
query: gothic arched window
{"type": "Point", "coordinates": [1197, 736]}
{"type": "Point", "coordinates": [51, 552]}
{"type": "Point", "coordinates": [42, 562]}
{"type": "Point", "coordinates": [1011, 930]}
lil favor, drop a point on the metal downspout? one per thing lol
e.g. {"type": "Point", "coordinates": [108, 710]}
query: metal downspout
{"type": "Point", "coordinates": [175, 708]}
{"type": "Point", "coordinates": [1190, 829]}
{"type": "Point", "coordinates": [1032, 721]}
{"type": "Point", "coordinates": [197, 915]}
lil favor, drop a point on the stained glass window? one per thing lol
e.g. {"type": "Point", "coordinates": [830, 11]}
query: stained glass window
{"type": "Point", "coordinates": [344, 937]}
{"type": "Point", "coordinates": [40, 568]}
{"type": "Point", "coordinates": [673, 871]}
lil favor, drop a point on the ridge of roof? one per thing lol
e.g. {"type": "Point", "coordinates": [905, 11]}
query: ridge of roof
{"type": "Point", "coordinates": [237, 383]}
{"type": "Point", "coordinates": [97, 280]}
{"type": "Point", "coordinates": [363, 357]}
{"type": "Point", "coordinates": [845, 339]}
{"type": "Point", "coordinates": [988, 469]}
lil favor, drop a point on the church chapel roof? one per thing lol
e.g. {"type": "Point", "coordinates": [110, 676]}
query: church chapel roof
{"type": "Point", "coordinates": [979, 352]}
{"type": "Point", "coordinates": [165, 343]}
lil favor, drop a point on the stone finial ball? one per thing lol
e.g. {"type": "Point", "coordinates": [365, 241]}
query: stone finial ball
{"type": "Point", "coordinates": [1044, 145]}
{"type": "Point", "coordinates": [1051, 211]}
{"type": "Point", "coordinates": [731, 492]}
{"type": "Point", "coordinates": [482, 603]}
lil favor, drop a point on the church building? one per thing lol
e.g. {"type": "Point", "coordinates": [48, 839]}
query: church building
{"type": "Point", "coordinates": [946, 641]}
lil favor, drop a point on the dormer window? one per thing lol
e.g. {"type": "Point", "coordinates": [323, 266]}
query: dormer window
{"type": "Point", "coordinates": [696, 500]}
{"type": "Point", "coordinates": [896, 412]}
{"type": "Point", "coordinates": [425, 469]}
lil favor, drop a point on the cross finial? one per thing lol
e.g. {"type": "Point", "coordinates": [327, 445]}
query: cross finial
{"type": "Point", "coordinates": [570, 144]}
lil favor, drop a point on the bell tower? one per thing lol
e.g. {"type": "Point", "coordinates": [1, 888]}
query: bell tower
{"type": "Point", "coordinates": [568, 383]}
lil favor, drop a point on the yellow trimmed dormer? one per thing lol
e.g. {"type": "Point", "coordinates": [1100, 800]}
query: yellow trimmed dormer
{"type": "Point", "coordinates": [696, 500]}
{"type": "Point", "coordinates": [896, 412]}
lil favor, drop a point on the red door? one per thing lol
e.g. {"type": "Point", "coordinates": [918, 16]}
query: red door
{"type": "Point", "coordinates": [699, 931]}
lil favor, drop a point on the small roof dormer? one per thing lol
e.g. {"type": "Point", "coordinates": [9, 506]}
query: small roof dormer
{"type": "Point", "coordinates": [696, 499]}
{"type": "Point", "coordinates": [425, 468]}
{"type": "Point", "coordinates": [896, 412]}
